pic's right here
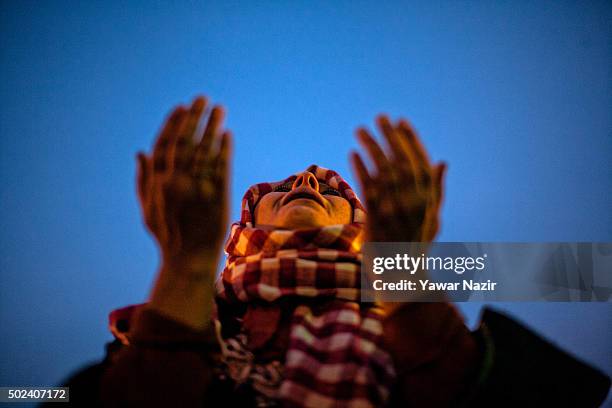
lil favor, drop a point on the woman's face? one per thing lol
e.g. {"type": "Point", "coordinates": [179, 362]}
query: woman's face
{"type": "Point", "coordinates": [303, 203]}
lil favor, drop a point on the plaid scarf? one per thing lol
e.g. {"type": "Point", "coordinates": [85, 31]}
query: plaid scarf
{"type": "Point", "coordinates": [334, 355]}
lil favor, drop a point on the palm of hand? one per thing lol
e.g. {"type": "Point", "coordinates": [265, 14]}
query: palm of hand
{"type": "Point", "coordinates": [182, 184]}
{"type": "Point", "coordinates": [404, 193]}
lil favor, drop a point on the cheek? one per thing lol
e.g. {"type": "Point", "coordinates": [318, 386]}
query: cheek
{"type": "Point", "coordinates": [265, 210]}
{"type": "Point", "coordinates": [342, 212]}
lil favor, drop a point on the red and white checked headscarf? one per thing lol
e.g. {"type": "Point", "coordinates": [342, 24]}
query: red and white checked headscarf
{"type": "Point", "coordinates": [334, 355]}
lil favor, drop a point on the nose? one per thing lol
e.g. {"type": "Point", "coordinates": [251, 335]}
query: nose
{"type": "Point", "coordinates": [306, 179]}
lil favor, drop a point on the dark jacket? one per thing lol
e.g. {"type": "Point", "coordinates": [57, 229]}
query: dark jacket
{"type": "Point", "coordinates": [168, 364]}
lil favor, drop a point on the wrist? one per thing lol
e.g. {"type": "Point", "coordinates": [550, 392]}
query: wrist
{"type": "Point", "coordinates": [184, 289]}
{"type": "Point", "coordinates": [188, 301]}
{"type": "Point", "coordinates": [192, 263]}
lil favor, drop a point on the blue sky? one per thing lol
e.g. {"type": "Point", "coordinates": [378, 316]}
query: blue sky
{"type": "Point", "coordinates": [515, 97]}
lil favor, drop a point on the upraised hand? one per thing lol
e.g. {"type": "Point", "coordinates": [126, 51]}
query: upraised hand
{"type": "Point", "coordinates": [183, 191]}
{"type": "Point", "coordinates": [403, 193]}
{"type": "Point", "coordinates": [183, 183]}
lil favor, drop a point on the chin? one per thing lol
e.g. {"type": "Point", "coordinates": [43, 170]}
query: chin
{"type": "Point", "coordinates": [302, 217]}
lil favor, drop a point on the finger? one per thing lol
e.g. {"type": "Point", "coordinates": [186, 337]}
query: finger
{"type": "Point", "coordinates": [365, 180]}
{"type": "Point", "coordinates": [203, 151]}
{"type": "Point", "coordinates": [415, 143]}
{"type": "Point", "coordinates": [174, 119]}
{"type": "Point", "coordinates": [181, 143]}
{"type": "Point", "coordinates": [171, 122]}
{"type": "Point", "coordinates": [223, 159]}
{"type": "Point", "coordinates": [215, 120]}
{"type": "Point", "coordinates": [396, 148]}
{"type": "Point", "coordinates": [439, 182]}
{"type": "Point", "coordinates": [431, 227]}
{"type": "Point", "coordinates": [155, 218]}
{"type": "Point", "coordinates": [142, 175]}
{"type": "Point", "coordinates": [432, 222]}
{"type": "Point", "coordinates": [403, 156]}
{"type": "Point", "coordinates": [360, 168]}
{"type": "Point", "coordinates": [214, 174]}
{"type": "Point", "coordinates": [376, 154]}
{"type": "Point", "coordinates": [188, 131]}
{"type": "Point", "coordinates": [420, 155]}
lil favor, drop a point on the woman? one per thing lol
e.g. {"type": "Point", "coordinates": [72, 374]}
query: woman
{"type": "Point", "coordinates": [286, 327]}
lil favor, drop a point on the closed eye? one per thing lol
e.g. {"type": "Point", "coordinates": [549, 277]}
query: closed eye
{"type": "Point", "coordinates": [285, 187]}
{"type": "Point", "coordinates": [324, 189]}
{"type": "Point", "coordinates": [331, 191]}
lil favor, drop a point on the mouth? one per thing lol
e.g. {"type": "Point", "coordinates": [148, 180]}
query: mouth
{"type": "Point", "coordinates": [303, 193]}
